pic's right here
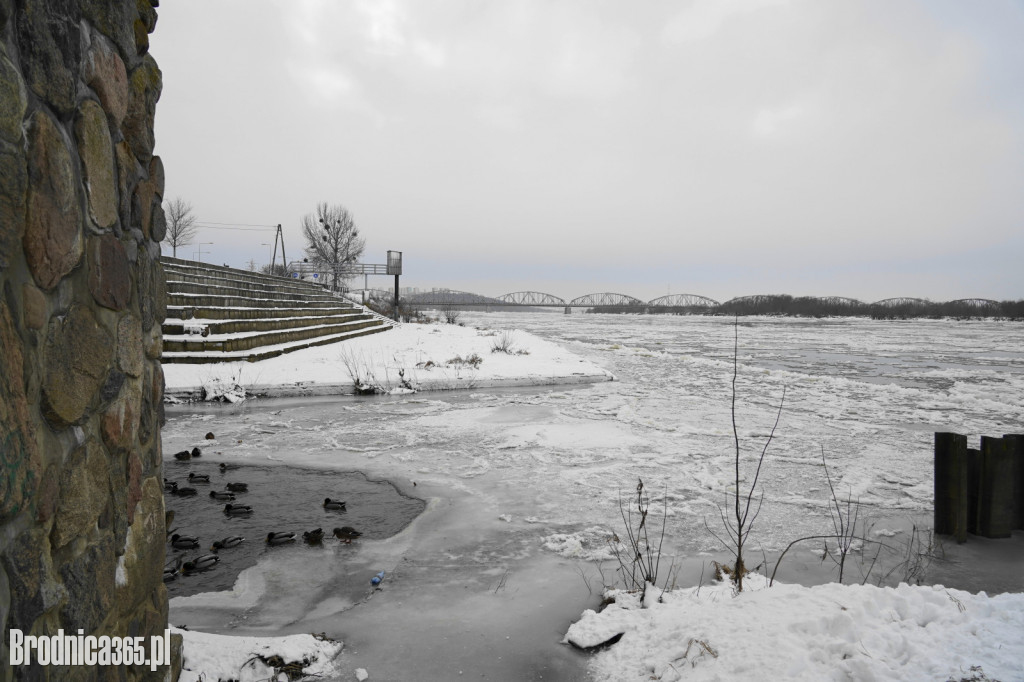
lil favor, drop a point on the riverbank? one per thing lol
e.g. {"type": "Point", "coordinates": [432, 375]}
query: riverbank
{"type": "Point", "coordinates": [408, 358]}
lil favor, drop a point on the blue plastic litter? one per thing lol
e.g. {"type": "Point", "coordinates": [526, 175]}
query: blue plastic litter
{"type": "Point", "coordinates": [375, 580]}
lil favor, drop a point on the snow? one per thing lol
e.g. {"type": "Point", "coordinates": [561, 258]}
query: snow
{"type": "Point", "coordinates": [427, 356]}
{"type": "Point", "coordinates": [789, 632]}
{"type": "Point", "coordinates": [209, 657]}
{"type": "Point", "coordinates": [522, 495]}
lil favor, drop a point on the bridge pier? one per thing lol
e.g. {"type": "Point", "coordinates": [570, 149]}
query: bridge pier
{"type": "Point", "coordinates": [568, 310]}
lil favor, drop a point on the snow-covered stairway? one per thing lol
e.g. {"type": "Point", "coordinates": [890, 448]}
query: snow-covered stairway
{"type": "Point", "coordinates": [220, 314]}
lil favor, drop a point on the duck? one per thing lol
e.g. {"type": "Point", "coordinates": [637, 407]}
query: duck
{"type": "Point", "coordinates": [314, 537]}
{"type": "Point", "coordinates": [199, 478]}
{"type": "Point", "coordinates": [280, 538]}
{"type": "Point", "coordinates": [346, 534]}
{"type": "Point", "coordinates": [238, 487]}
{"type": "Point", "coordinates": [171, 572]}
{"type": "Point", "coordinates": [169, 485]}
{"type": "Point", "coordinates": [196, 452]}
{"type": "Point", "coordinates": [229, 541]}
{"type": "Point", "coordinates": [200, 563]}
{"type": "Point", "coordinates": [226, 467]}
{"type": "Point", "coordinates": [183, 492]}
{"type": "Point", "coordinates": [184, 541]}
{"type": "Point", "coordinates": [184, 454]}
{"type": "Point", "coordinates": [237, 509]}
{"type": "Point", "coordinates": [334, 504]}
{"type": "Point", "coordinates": [218, 495]}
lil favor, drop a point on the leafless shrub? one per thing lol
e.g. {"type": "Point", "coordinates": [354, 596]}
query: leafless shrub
{"type": "Point", "coordinates": [738, 527]}
{"type": "Point", "coordinates": [638, 557]}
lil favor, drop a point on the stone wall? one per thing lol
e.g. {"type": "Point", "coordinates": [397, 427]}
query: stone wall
{"type": "Point", "coordinates": [82, 537]}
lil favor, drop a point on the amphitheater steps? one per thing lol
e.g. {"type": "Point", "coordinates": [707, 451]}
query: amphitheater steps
{"type": "Point", "coordinates": [220, 314]}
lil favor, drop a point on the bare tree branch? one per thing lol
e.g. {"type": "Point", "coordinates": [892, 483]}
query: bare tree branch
{"type": "Point", "coordinates": [181, 227]}
{"type": "Point", "coordinates": [332, 239]}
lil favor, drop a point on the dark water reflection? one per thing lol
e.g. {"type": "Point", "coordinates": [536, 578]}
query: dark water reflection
{"type": "Point", "coordinates": [283, 499]}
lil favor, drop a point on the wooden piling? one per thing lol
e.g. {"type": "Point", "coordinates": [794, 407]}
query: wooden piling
{"type": "Point", "coordinates": [996, 512]}
{"type": "Point", "coordinates": [951, 485]}
{"type": "Point", "coordinates": [1015, 444]}
{"type": "Point", "coordinates": [973, 483]}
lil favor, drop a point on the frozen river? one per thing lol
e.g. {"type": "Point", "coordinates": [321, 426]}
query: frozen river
{"type": "Point", "coordinates": [522, 485]}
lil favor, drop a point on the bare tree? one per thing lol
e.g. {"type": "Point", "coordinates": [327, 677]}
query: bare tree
{"type": "Point", "coordinates": [332, 240]}
{"type": "Point", "coordinates": [181, 224]}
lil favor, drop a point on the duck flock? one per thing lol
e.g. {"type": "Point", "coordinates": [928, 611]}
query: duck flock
{"type": "Point", "coordinates": [181, 544]}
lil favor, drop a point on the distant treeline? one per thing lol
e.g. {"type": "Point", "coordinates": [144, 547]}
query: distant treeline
{"type": "Point", "coordinates": [810, 306]}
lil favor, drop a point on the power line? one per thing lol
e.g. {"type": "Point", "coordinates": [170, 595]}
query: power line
{"type": "Point", "coordinates": [239, 229]}
{"type": "Point", "coordinates": [213, 222]}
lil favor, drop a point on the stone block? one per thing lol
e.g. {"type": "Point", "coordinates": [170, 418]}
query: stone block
{"type": "Point", "coordinates": [76, 356]}
{"type": "Point", "coordinates": [34, 305]}
{"type": "Point", "coordinates": [129, 346]}
{"type": "Point", "coordinates": [144, 86]}
{"type": "Point", "coordinates": [34, 591]}
{"type": "Point", "coordinates": [97, 154]}
{"type": "Point", "coordinates": [89, 581]}
{"type": "Point", "coordinates": [128, 171]}
{"type": "Point", "coordinates": [109, 272]}
{"type": "Point", "coordinates": [145, 550]}
{"type": "Point", "coordinates": [106, 75]}
{"type": "Point", "coordinates": [19, 452]}
{"type": "Point", "coordinates": [50, 44]}
{"type": "Point", "coordinates": [157, 221]}
{"type": "Point", "coordinates": [13, 195]}
{"type": "Point", "coordinates": [154, 344]}
{"type": "Point", "coordinates": [156, 176]}
{"type": "Point", "coordinates": [48, 495]}
{"type": "Point", "coordinates": [84, 493]}
{"type": "Point", "coordinates": [53, 234]}
{"type": "Point", "coordinates": [114, 20]}
{"type": "Point", "coordinates": [13, 100]}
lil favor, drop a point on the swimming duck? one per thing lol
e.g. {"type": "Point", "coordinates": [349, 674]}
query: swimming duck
{"type": "Point", "coordinates": [199, 478]}
{"type": "Point", "coordinates": [238, 487]}
{"type": "Point", "coordinates": [314, 537]}
{"type": "Point", "coordinates": [280, 538]}
{"type": "Point", "coordinates": [171, 572]}
{"type": "Point", "coordinates": [226, 467]}
{"type": "Point", "coordinates": [346, 534]}
{"type": "Point", "coordinates": [229, 541]}
{"type": "Point", "coordinates": [184, 541]}
{"type": "Point", "coordinates": [200, 563]}
{"type": "Point", "coordinates": [333, 504]}
{"type": "Point", "coordinates": [184, 454]}
{"type": "Point", "coordinates": [183, 492]}
{"type": "Point", "coordinates": [237, 509]}
{"type": "Point", "coordinates": [196, 452]}
{"type": "Point", "coordinates": [168, 485]}
{"type": "Point", "coordinates": [218, 495]}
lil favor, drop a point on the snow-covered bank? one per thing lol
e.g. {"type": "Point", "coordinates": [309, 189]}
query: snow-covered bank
{"type": "Point", "coordinates": [420, 356]}
{"type": "Point", "coordinates": [789, 632]}
{"type": "Point", "coordinates": [247, 659]}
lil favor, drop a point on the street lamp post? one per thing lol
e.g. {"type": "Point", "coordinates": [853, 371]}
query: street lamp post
{"type": "Point", "coordinates": [199, 251]}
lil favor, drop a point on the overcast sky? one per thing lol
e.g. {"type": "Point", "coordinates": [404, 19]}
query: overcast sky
{"type": "Point", "coordinates": [715, 147]}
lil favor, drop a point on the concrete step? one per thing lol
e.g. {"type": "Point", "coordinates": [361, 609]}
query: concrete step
{"type": "Point", "coordinates": [205, 328]}
{"type": "Point", "coordinates": [191, 300]}
{"type": "Point", "coordinates": [264, 352]}
{"type": "Point", "coordinates": [298, 287]}
{"type": "Point", "coordinates": [213, 313]}
{"type": "Point", "coordinates": [265, 294]}
{"type": "Point", "coordinates": [248, 341]}
{"type": "Point", "coordinates": [219, 314]}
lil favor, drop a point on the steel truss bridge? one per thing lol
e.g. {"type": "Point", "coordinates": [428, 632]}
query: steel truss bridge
{"type": "Point", "coordinates": [674, 302]}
